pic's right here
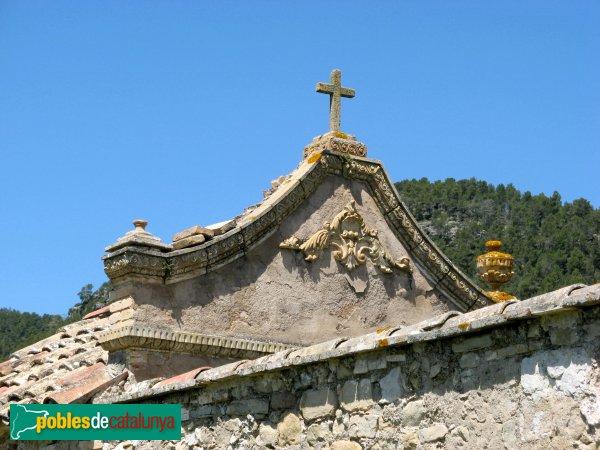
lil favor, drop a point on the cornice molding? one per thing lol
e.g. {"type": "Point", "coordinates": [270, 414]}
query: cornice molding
{"type": "Point", "coordinates": [141, 337]}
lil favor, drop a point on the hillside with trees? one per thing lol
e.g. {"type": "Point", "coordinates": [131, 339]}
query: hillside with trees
{"type": "Point", "coordinates": [554, 244]}
{"type": "Point", "coordinates": [19, 329]}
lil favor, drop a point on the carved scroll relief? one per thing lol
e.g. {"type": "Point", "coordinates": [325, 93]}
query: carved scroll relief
{"type": "Point", "coordinates": [352, 240]}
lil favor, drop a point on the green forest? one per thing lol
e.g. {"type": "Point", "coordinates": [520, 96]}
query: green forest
{"type": "Point", "coordinates": [554, 244]}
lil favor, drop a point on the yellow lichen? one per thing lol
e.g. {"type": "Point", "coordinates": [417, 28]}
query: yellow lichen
{"type": "Point", "coordinates": [463, 326]}
{"type": "Point", "coordinates": [341, 135]}
{"type": "Point", "coordinates": [382, 342]}
{"type": "Point", "coordinates": [314, 157]}
{"type": "Point", "coordinates": [381, 330]}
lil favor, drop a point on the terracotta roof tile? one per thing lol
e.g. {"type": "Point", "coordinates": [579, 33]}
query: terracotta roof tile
{"type": "Point", "coordinates": [191, 375]}
{"type": "Point", "coordinates": [42, 368]}
{"type": "Point", "coordinates": [6, 367]}
{"type": "Point", "coordinates": [98, 312]}
{"type": "Point", "coordinates": [81, 385]}
{"type": "Point", "coordinates": [37, 347]}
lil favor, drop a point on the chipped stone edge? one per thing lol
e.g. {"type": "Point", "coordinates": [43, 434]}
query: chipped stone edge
{"type": "Point", "coordinates": [441, 327]}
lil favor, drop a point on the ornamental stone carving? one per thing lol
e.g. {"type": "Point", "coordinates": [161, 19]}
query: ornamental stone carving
{"type": "Point", "coordinates": [353, 242]}
{"type": "Point", "coordinates": [336, 141]}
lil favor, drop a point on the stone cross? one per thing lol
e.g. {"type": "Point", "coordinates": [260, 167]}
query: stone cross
{"type": "Point", "coordinates": [335, 91]}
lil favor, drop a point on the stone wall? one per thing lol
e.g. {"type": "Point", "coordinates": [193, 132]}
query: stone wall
{"type": "Point", "coordinates": [520, 375]}
{"type": "Point", "coordinates": [516, 384]}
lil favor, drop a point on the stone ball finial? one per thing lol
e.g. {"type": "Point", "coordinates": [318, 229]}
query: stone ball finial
{"type": "Point", "coordinates": [140, 225]}
{"type": "Point", "coordinates": [495, 268]}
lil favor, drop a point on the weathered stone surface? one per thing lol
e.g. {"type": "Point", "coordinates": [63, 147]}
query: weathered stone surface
{"type": "Point", "coordinates": [473, 343]}
{"type": "Point", "coordinates": [363, 426]}
{"type": "Point", "coordinates": [268, 434]}
{"type": "Point", "coordinates": [562, 327]}
{"type": "Point", "coordinates": [391, 386]}
{"type": "Point", "coordinates": [318, 432]}
{"type": "Point", "coordinates": [318, 403]}
{"type": "Point", "coordinates": [356, 394]}
{"type": "Point", "coordinates": [249, 406]}
{"type": "Point", "coordinates": [121, 304]}
{"type": "Point", "coordinates": [469, 360]}
{"type": "Point", "coordinates": [289, 430]}
{"type": "Point", "coordinates": [410, 438]}
{"type": "Point", "coordinates": [345, 445]}
{"type": "Point", "coordinates": [433, 433]}
{"type": "Point", "coordinates": [194, 231]}
{"type": "Point", "coordinates": [413, 413]}
{"type": "Point", "coordinates": [283, 400]}
{"type": "Point", "coordinates": [189, 242]}
{"type": "Point", "coordinates": [547, 397]}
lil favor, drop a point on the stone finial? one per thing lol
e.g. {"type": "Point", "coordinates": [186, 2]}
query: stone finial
{"type": "Point", "coordinates": [140, 226]}
{"type": "Point", "coordinates": [138, 237]}
{"type": "Point", "coordinates": [496, 268]}
{"type": "Point", "coordinates": [335, 140]}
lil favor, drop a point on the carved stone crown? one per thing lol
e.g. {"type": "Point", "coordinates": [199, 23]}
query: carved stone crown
{"type": "Point", "coordinates": [336, 141]}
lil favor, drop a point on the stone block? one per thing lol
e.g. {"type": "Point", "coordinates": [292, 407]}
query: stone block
{"type": "Point", "coordinates": [121, 316]}
{"type": "Point", "coordinates": [410, 438]}
{"type": "Point", "coordinates": [356, 395]}
{"type": "Point", "coordinates": [248, 406]}
{"type": "Point", "coordinates": [562, 327]}
{"type": "Point", "coordinates": [185, 414]}
{"type": "Point", "coordinates": [398, 357]}
{"type": "Point", "coordinates": [413, 413]}
{"type": "Point", "coordinates": [194, 231]}
{"type": "Point", "coordinates": [283, 400]}
{"type": "Point", "coordinates": [290, 430]}
{"type": "Point", "coordinates": [436, 432]}
{"type": "Point", "coordinates": [345, 445]}
{"type": "Point", "coordinates": [463, 433]}
{"type": "Point", "coordinates": [202, 411]}
{"type": "Point", "coordinates": [268, 435]}
{"type": "Point", "coordinates": [469, 360]}
{"type": "Point", "coordinates": [189, 242]}
{"type": "Point", "coordinates": [125, 323]}
{"type": "Point", "coordinates": [316, 403]}
{"type": "Point", "coordinates": [369, 364]}
{"type": "Point", "coordinates": [474, 343]}
{"type": "Point", "coordinates": [592, 331]}
{"type": "Point", "coordinates": [363, 426]}
{"type": "Point", "coordinates": [391, 386]}
{"type": "Point", "coordinates": [511, 350]}
{"type": "Point", "coordinates": [435, 370]}
{"type": "Point", "coordinates": [267, 384]}
{"type": "Point", "coordinates": [317, 432]}
{"type": "Point", "coordinates": [361, 366]}
{"type": "Point", "coordinates": [121, 305]}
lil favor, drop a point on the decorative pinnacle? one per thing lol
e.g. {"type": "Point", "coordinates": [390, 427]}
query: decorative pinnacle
{"type": "Point", "coordinates": [496, 268]}
{"type": "Point", "coordinates": [140, 225]}
{"type": "Point", "coordinates": [335, 91]}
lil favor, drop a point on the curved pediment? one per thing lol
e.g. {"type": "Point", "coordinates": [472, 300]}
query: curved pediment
{"type": "Point", "coordinates": [163, 265]}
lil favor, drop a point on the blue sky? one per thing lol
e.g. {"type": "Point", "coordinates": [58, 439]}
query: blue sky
{"type": "Point", "coordinates": [182, 112]}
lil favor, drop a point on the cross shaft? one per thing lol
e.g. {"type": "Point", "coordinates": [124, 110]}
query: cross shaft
{"type": "Point", "coordinates": [336, 92]}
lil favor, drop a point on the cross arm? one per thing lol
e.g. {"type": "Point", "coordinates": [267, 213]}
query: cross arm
{"type": "Point", "coordinates": [347, 92]}
{"type": "Point", "coordinates": [325, 88]}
